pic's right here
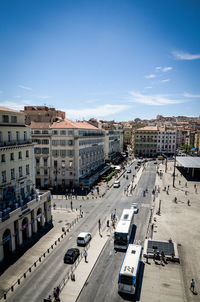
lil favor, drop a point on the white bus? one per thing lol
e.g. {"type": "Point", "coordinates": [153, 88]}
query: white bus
{"type": "Point", "coordinates": [129, 269]}
{"type": "Point", "coordinates": [123, 230]}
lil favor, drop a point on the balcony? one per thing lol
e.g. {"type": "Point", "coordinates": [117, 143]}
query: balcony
{"type": "Point", "coordinates": [22, 203]}
{"type": "Point", "coordinates": [15, 143]}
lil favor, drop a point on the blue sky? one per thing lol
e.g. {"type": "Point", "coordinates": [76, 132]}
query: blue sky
{"type": "Point", "coordinates": [104, 59]}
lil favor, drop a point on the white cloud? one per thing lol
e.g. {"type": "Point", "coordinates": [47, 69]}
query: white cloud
{"type": "Point", "coordinates": [164, 69]}
{"type": "Point", "coordinates": [181, 55]}
{"type": "Point", "coordinates": [189, 95]}
{"type": "Point", "coordinates": [153, 100]}
{"type": "Point", "coordinates": [148, 87]}
{"type": "Point", "coordinates": [15, 105]}
{"type": "Point", "coordinates": [165, 81]}
{"type": "Point", "coordinates": [167, 69]}
{"type": "Point", "coordinates": [101, 111]}
{"type": "Point", "coordinates": [24, 87]}
{"type": "Point", "coordinates": [150, 76]}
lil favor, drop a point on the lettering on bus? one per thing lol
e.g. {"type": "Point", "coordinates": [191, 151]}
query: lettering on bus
{"type": "Point", "coordinates": [129, 269]}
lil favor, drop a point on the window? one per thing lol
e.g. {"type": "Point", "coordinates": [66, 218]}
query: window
{"type": "Point", "coordinates": [45, 131]}
{"type": "Point", "coordinates": [13, 119]}
{"type": "Point", "coordinates": [45, 162]}
{"type": "Point", "coordinates": [3, 176]}
{"type": "Point", "coordinates": [27, 170]}
{"type": "Point", "coordinates": [1, 137]}
{"type": "Point", "coordinates": [37, 131]}
{"type": "Point", "coordinates": [70, 132]}
{"type": "Point", "coordinates": [45, 141]}
{"type": "Point", "coordinates": [55, 163]}
{"type": "Point", "coordinates": [45, 150]}
{"type": "Point", "coordinates": [37, 150]}
{"type": "Point", "coordinates": [45, 172]}
{"type": "Point", "coordinates": [11, 156]}
{"type": "Point", "coordinates": [37, 161]}
{"type": "Point", "coordinates": [63, 164]}
{"type": "Point", "coordinates": [20, 171]}
{"type": "Point", "coordinates": [9, 136]}
{"type": "Point", "coordinates": [27, 153]}
{"type": "Point", "coordinates": [62, 142]}
{"type": "Point", "coordinates": [55, 153]}
{"type": "Point", "coordinates": [63, 153]}
{"type": "Point", "coordinates": [62, 132]}
{"type": "Point", "coordinates": [12, 174]}
{"type": "Point", "coordinates": [25, 135]}
{"type": "Point", "coordinates": [17, 136]}
{"type": "Point", "coordinates": [5, 119]}
{"type": "Point", "coordinates": [3, 158]}
{"type": "Point", "coordinates": [55, 132]}
{"type": "Point", "coordinates": [70, 142]}
{"type": "Point", "coordinates": [20, 155]}
{"type": "Point", "coordinates": [38, 172]}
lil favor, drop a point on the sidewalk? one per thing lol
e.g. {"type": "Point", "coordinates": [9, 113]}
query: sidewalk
{"type": "Point", "coordinates": [180, 222]}
{"type": "Point", "coordinates": [15, 271]}
{"type": "Point", "coordinates": [72, 289]}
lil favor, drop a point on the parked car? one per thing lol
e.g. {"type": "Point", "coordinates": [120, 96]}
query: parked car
{"type": "Point", "coordinates": [71, 255]}
{"type": "Point", "coordinates": [83, 238]}
{"type": "Point", "coordinates": [129, 170]}
{"type": "Point", "coordinates": [135, 208]}
{"type": "Point", "coordinates": [136, 166]}
{"type": "Point", "coordinates": [116, 184]}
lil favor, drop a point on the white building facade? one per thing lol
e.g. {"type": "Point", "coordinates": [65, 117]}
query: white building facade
{"type": "Point", "coordinates": [166, 143]}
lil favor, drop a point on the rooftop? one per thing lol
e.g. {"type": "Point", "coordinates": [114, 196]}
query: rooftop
{"type": "Point", "coordinates": [188, 161]}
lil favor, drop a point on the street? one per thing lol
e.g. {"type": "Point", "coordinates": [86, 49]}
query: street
{"type": "Point", "coordinates": [103, 280]}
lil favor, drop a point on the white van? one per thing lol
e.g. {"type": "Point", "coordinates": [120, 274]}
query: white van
{"type": "Point", "coordinates": [83, 238]}
{"type": "Point", "coordinates": [116, 184]}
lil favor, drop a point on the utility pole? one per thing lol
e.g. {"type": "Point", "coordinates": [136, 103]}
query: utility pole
{"type": "Point", "coordinates": [174, 169]}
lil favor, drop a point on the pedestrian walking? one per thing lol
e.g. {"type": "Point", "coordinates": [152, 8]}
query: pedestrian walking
{"type": "Point", "coordinates": [192, 285]}
{"type": "Point", "coordinates": [188, 202]}
{"type": "Point", "coordinates": [185, 192]}
{"type": "Point", "coordinates": [71, 205]}
{"type": "Point", "coordinates": [186, 184]}
{"type": "Point", "coordinates": [179, 182]}
{"type": "Point", "coordinates": [85, 255]}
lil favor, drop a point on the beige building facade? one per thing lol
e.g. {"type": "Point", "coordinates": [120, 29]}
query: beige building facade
{"type": "Point", "coordinates": [145, 141]}
{"type": "Point", "coordinates": [22, 209]}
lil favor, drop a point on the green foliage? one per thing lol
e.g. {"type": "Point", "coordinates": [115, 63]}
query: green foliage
{"type": "Point", "coordinates": [107, 178]}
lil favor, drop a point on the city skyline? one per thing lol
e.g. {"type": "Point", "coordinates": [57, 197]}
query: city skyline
{"type": "Point", "coordinates": [107, 60]}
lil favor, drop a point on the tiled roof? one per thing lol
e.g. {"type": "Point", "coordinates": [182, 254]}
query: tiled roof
{"type": "Point", "coordinates": [10, 110]}
{"type": "Point", "coordinates": [67, 124]}
{"type": "Point", "coordinates": [148, 128]}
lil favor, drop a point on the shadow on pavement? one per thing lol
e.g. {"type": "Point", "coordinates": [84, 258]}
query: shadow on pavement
{"type": "Point", "coordinates": [13, 257]}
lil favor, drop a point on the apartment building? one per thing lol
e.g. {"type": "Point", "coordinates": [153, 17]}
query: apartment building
{"type": "Point", "coordinates": [166, 141]}
{"type": "Point", "coordinates": [41, 137]}
{"type": "Point", "coordinates": [77, 152]}
{"type": "Point", "coordinates": [127, 135]}
{"type": "Point", "coordinates": [113, 143]}
{"type": "Point", "coordinates": [23, 210]}
{"type": "Point", "coordinates": [145, 141]}
{"type": "Point", "coordinates": [197, 141]}
{"type": "Point", "coordinates": [42, 114]}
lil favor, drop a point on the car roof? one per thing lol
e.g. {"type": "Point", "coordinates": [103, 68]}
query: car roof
{"type": "Point", "coordinates": [70, 251]}
{"type": "Point", "coordinates": [83, 234]}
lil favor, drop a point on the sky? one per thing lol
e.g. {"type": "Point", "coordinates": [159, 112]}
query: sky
{"type": "Point", "coordinates": [106, 59]}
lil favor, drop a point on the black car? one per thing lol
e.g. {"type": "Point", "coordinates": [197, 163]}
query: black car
{"type": "Point", "coordinates": [71, 255]}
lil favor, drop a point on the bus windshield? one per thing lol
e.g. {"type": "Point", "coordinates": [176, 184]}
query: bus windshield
{"type": "Point", "coordinates": [120, 238]}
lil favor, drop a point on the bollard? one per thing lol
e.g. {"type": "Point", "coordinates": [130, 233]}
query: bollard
{"type": "Point", "coordinates": [35, 264]}
{"type": "Point", "coordinates": [48, 251]}
{"type": "Point", "coordinates": [40, 259]}
{"type": "Point", "coordinates": [44, 255]}
{"type": "Point", "coordinates": [4, 295]}
{"type": "Point", "coordinates": [18, 281]}
{"type": "Point", "coordinates": [59, 239]}
{"type": "Point", "coordinates": [55, 242]}
{"type": "Point", "coordinates": [30, 269]}
{"type": "Point", "coordinates": [24, 275]}
{"type": "Point", "coordinates": [12, 288]}
{"type": "Point", "coordinates": [62, 236]}
{"type": "Point", "coordinates": [52, 246]}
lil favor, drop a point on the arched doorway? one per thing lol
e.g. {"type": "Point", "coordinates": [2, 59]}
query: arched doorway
{"type": "Point", "coordinates": [7, 243]}
{"type": "Point", "coordinates": [25, 229]}
{"type": "Point", "coordinates": [39, 219]}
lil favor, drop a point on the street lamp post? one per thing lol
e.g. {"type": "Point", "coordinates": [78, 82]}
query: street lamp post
{"type": "Point", "coordinates": [174, 169]}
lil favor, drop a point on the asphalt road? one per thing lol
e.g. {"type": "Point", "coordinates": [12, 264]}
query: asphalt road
{"type": "Point", "coordinates": [50, 273]}
{"type": "Point", "coordinates": [102, 284]}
